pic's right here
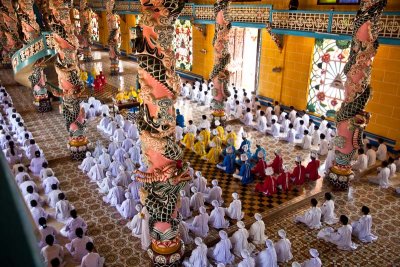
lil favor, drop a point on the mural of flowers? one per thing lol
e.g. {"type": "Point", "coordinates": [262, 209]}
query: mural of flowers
{"type": "Point", "coordinates": [326, 86]}
{"type": "Point", "coordinates": [183, 44]}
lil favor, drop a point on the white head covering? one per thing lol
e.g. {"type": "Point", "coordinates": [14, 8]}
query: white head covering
{"type": "Point", "coordinates": [240, 224]}
{"type": "Point", "coordinates": [269, 243]}
{"type": "Point", "coordinates": [212, 144]}
{"type": "Point", "coordinates": [314, 154]}
{"type": "Point", "coordinates": [260, 154]}
{"type": "Point", "coordinates": [282, 233]}
{"type": "Point", "coordinates": [133, 177]}
{"type": "Point", "coordinates": [104, 150]}
{"type": "Point", "coordinates": [198, 241]}
{"type": "Point", "coordinates": [314, 253]}
{"type": "Point", "coordinates": [108, 173]}
{"type": "Point", "coordinates": [277, 152]}
{"type": "Point", "coordinates": [214, 132]}
{"type": "Point", "coordinates": [229, 149]}
{"type": "Point", "coordinates": [111, 138]}
{"type": "Point", "coordinates": [269, 171]}
{"type": "Point", "coordinates": [258, 216]}
{"type": "Point", "coordinates": [114, 182]}
{"type": "Point", "coordinates": [202, 210]}
{"type": "Point", "coordinates": [235, 195]}
{"type": "Point", "coordinates": [214, 182]}
{"type": "Point", "coordinates": [128, 195]}
{"type": "Point", "coordinates": [243, 157]}
{"type": "Point", "coordinates": [49, 173]}
{"type": "Point", "coordinates": [193, 189]}
{"type": "Point", "coordinates": [113, 158]}
{"type": "Point", "coordinates": [95, 161]}
{"type": "Point", "coordinates": [215, 203]}
{"type": "Point", "coordinates": [221, 265]}
{"type": "Point", "coordinates": [121, 168]}
{"type": "Point", "coordinates": [245, 253]}
{"type": "Point", "coordinates": [244, 135]}
{"type": "Point", "coordinates": [285, 168]}
{"type": "Point", "coordinates": [88, 154]}
{"type": "Point", "coordinates": [198, 174]}
{"type": "Point", "coordinates": [296, 264]}
{"type": "Point", "coordinates": [138, 207]}
{"type": "Point", "coordinates": [217, 123]}
{"type": "Point", "coordinates": [199, 138]}
{"type": "Point", "coordinates": [298, 158]}
{"type": "Point", "coordinates": [245, 148]}
{"type": "Point", "coordinates": [228, 128]}
{"type": "Point", "coordinates": [126, 155]}
{"type": "Point", "coordinates": [182, 193]}
{"type": "Point", "coordinates": [222, 234]}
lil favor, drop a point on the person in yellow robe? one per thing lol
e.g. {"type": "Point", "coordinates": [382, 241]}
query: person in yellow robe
{"type": "Point", "coordinates": [205, 133]}
{"type": "Point", "coordinates": [200, 148]}
{"type": "Point", "coordinates": [221, 131]}
{"type": "Point", "coordinates": [190, 135]}
{"type": "Point", "coordinates": [216, 139]}
{"type": "Point", "coordinates": [213, 154]}
{"type": "Point", "coordinates": [230, 135]}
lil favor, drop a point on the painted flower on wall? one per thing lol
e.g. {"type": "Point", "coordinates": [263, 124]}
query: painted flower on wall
{"type": "Point", "coordinates": [183, 45]}
{"type": "Point", "coordinates": [321, 96]}
{"type": "Point", "coordinates": [326, 58]}
{"type": "Point", "coordinates": [334, 102]}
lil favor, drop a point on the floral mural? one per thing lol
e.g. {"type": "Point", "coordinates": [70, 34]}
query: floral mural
{"type": "Point", "coordinates": [326, 90]}
{"type": "Point", "coordinates": [183, 44]}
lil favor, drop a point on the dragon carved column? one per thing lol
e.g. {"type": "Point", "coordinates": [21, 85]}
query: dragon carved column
{"type": "Point", "coordinates": [351, 119]}
{"type": "Point", "coordinates": [68, 75]}
{"type": "Point", "coordinates": [165, 174]}
{"type": "Point", "coordinates": [220, 74]}
{"type": "Point", "coordinates": [86, 30]}
{"type": "Point", "coordinates": [113, 37]}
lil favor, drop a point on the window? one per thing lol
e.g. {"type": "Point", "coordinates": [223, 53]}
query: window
{"type": "Point", "coordinates": [326, 89]}
{"type": "Point", "coordinates": [77, 21]}
{"type": "Point", "coordinates": [95, 27]}
{"type": "Point", "coordinates": [183, 44]}
{"type": "Point", "coordinates": [339, 2]}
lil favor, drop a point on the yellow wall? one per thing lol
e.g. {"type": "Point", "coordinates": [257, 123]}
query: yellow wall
{"type": "Point", "coordinates": [127, 21]}
{"type": "Point", "coordinates": [203, 63]}
{"type": "Point", "coordinates": [103, 28]}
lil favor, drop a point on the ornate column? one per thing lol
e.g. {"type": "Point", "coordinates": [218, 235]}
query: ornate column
{"type": "Point", "coordinates": [68, 76]}
{"type": "Point", "coordinates": [86, 30]}
{"type": "Point", "coordinates": [351, 119]}
{"type": "Point", "coordinates": [113, 37]}
{"type": "Point", "coordinates": [220, 74]}
{"type": "Point", "coordinates": [165, 174]}
{"type": "Point", "coordinates": [27, 18]}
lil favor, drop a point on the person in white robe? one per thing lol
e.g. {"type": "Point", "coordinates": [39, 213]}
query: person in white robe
{"type": "Point", "coordinates": [178, 133]}
{"type": "Point", "coordinates": [112, 126]}
{"type": "Point", "coordinates": [371, 155]}
{"type": "Point", "coordinates": [184, 233]}
{"type": "Point", "coordinates": [316, 139]}
{"type": "Point", "coordinates": [37, 212]}
{"type": "Point", "coordinates": [63, 208]}
{"type": "Point", "coordinates": [105, 159]}
{"type": "Point", "coordinates": [119, 119]}
{"type": "Point", "coordinates": [362, 227]}
{"type": "Point", "coordinates": [134, 187]}
{"type": "Point", "coordinates": [123, 178]}
{"type": "Point", "coordinates": [115, 196]}
{"type": "Point", "coordinates": [382, 179]}
{"type": "Point", "coordinates": [283, 248]}
{"type": "Point", "coordinates": [129, 164]}
{"type": "Point", "coordinates": [36, 163]}
{"type": "Point", "coordinates": [31, 149]}
{"type": "Point", "coordinates": [51, 251]}
{"type": "Point", "coordinates": [234, 211]}
{"type": "Point", "coordinates": [52, 196]}
{"type": "Point", "coordinates": [198, 257]}
{"type": "Point", "coordinates": [127, 144]}
{"type": "Point", "coordinates": [87, 163]}
{"type": "Point", "coordinates": [103, 124]}
{"type": "Point", "coordinates": [200, 182]}
{"type": "Point", "coordinates": [312, 217]}
{"type": "Point", "coordinates": [75, 222]}
{"type": "Point", "coordinates": [135, 153]}
{"type": "Point", "coordinates": [323, 146]}
{"type": "Point", "coordinates": [133, 132]}
{"type": "Point", "coordinates": [199, 225]}
{"type": "Point", "coordinates": [184, 209]}
{"type": "Point", "coordinates": [305, 141]}
{"type": "Point", "coordinates": [217, 216]}
{"type": "Point", "coordinates": [329, 159]}
{"type": "Point", "coordinates": [98, 150]}
{"type": "Point", "coordinates": [221, 252]}
{"type": "Point", "coordinates": [119, 134]}
{"type": "Point", "coordinates": [328, 215]}
{"type": "Point", "coordinates": [92, 259]}
{"type": "Point", "coordinates": [127, 208]}
{"type": "Point", "coordinates": [119, 154]}
{"type": "Point", "coordinates": [290, 136]}
{"type": "Point", "coordinates": [257, 230]}
{"type": "Point", "coordinates": [267, 257]}
{"type": "Point", "coordinates": [114, 167]}
{"type": "Point", "coordinates": [275, 129]}
{"type": "Point", "coordinates": [239, 240]}
{"type": "Point", "coordinates": [112, 146]}
{"type": "Point", "coordinates": [145, 236]}
{"type": "Point", "coordinates": [214, 193]}
{"type": "Point", "coordinates": [106, 184]}
{"type": "Point", "coordinates": [315, 261]}
{"type": "Point", "coordinates": [96, 173]}
{"type": "Point", "coordinates": [136, 223]}
{"type": "Point", "coordinates": [127, 125]}
{"type": "Point", "coordinates": [197, 199]}
{"type": "Point", "coordinates": [247, 261]}
{"type": "Point", "coordinates": [262, 122]}
{"type": "Point", "coordinates": [45, 171]}
{"type": "Point", "coordinates": [341, 238]}
{"type": "Point", "coordinates": [46, 230]}
{"type": "Point", "coordinates": [381, 153]}
{"type": "Point", "coordinates": [48, 182]}
{"type": "Point", "coordinates": [32, 195]}
{"type": "Point", "coordinates": [77, 247]}
{"type": "Point", "coordinates": [27, 183]}
{"type": "Point", "coordinates": [362, 161]}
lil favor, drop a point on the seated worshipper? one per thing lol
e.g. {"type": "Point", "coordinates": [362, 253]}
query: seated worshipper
{"type": "Point", "coordinates": [312, 217]}
{"type": "Point", "coordinates": [247, 119]}
{"type": "Point", "coordinates": [381, 153]}
{"type": "Point", "coordinates": [197, 199]}
{"type": "Point", "coordinates": [305, 141]}
{"type": "Point", "coordinates": [52, 251]}
{"type": "Point", "coordinates": [239, 240]}
{"type": "Point", "coordinates": [300, 130]}
{"type": "Point", "coordinates": [178, 134]}
{"type": "Point", "coordinates": [49, 181]}
{"type": "Point", "coordinates": [238, 110]}
{"type": "Point", "coordinates": [87, 163]}
{"type": "Point", "coordinates": [90, 113]}
{"type": "Point", "coordinates": [199, 225]}
{"type": "Point", "coordinates": [45, 230]}
{"type": "Point", "coordinates": [262, 122]}
{"type": "Point", "coordinates": [244, 142]}
{"type": "Point", "coordinates": [247, 152]}
{"type": "Point", "coordinates": [77, 247]}
{"type": "Point", "coordinates": [234, 211]}
{"type": "Point", "coordinates": [136, 223]}
{"type": "Point", "coordinates": [36, 163]}
{"type": "Point", "coordinates": [277, 163]}
{"type": "Point", "coordinates": [135, 153]}
{"type": "Point", "coordinates": [312, 167]}
{"type": "Point", "coordinates": [283, 181]}
{"type": "Point", "coordinates": [215, 193]}
{"type": "Point", "coordinates": [228, 165]}
{"type": "Point", "coordinates": [200, 182]}
{"type": "Point", "coordinates": [119, 154]}
{"type": "Point", "coordinates": [268, 187]}
{"type": "Point", "coordinates": [257, 230]}
{"type": "Point", "coordinates": [392, 167]}
{"type": "Point", "coordinates": [382, 179]}
{"type": "Point", "coordinates": [316, 139]}
{"type": "Point", "coordinates": [92, 259]}
{"type": "Point", "coordinates": [323, 146]}
{"type": "Point", "coordinates": [127, 144]}
{"type": "Point", "coordinates": [275, 129]}
{"type": "Point", "coordinates": [285, 122]}
{"type": "Point", "coordinates": [298, 174]}
{"type": "Point", "coordinates": [134, 187]}
{"type": "Point", "coordinates": [259, 169]}
{"type": "Point", "coordinates": [220, 130]}
{"type": "Point", "coordinates": [21, 173]}
{"type": "Point", "coordinates": [27, 183]}
{"type": "Point", "coordinates": [290, 136]}
{"type": "Point", "coordinates": [105, 159]}
{"type": "Point", "coordinates": [32, 195]}
{"type": "Point", "coordinates": [217, 216]}
{"type": "Point", "coordinates": [128, 163]}
{"type": "Point", "coordinates": [14, 154]}
{"type": "Point", "coordinates": [199, 147]}
{"type": "Point", "coordinates": [184, 208]}
{"type": "Point", "coordinates": [123, 177]}
{"type": "Point", "coordinates": [116, 195]}
{"type": "Point", "coordinates": [342, 237]}
{"type": "Point", "coordinates": [63, 208]}
{"type": "Point", "coordinates": [328, 215]}
{"type": "Point", "coordinates": [190, 133]}
{"type": "Point", "coordinates": [103, 125]}
{"type": "Point", "coordinates": [213, 154]}
{"type": "Point", "coordinates": [315, 261]}
{"type": "Point", "coordinates": [98, 150]}
{"type": "Point", "coordinates": [31, 149]}
{"type": "Point", "coordinates": [112, 126]}
{"type": "Point", "coordinates": [105, 185]}
{"type": "Point", "coordinates": [311, 127]}
{"type": "Point", "coordinates": [362, 161]}
{"type": "Point", "coordinates": [247, 261]}
{"type": "Point", "coordinates": [221, 252]}
{"type": "Point", "coordinates": [198, 257]}
{"type": "Point", "coordinates": [230, 135]}
{"type": "Point", "coordinates": [96, 173]}
{"type": "Point", "coordinates": [180, 119]}
{"type": "Point", "coordinates": [52, 196]}
{"type": "Point", "coordinates": [245, 171]}
{"type": "Point", "coordinates": [362, 227]}
{"type": "Point", "coordinates": [267, 257]}
{"type": "Point", "coordinates": [330, 158]}
{"type": "Point", "coordinates": [75, 222]}
{"type": "Point", "coordinates": [283, 248]}
{"type": "Point", "coordinates": [127, 208]}
{"type": "Point", "coordinates": [205, 134]}
{"type": "Point", "coordinates": [119, 134]}
{"type": "Point", "coordinates": [371, 155]}
{"type": "Point", "coordinates": [37, 212]}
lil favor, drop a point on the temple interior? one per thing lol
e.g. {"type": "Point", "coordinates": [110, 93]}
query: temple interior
{"type": "Point", "coordinates": [121, 119]}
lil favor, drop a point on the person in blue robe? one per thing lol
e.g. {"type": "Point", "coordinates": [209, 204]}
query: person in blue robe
{"type": "Point", "coordinates": [228, 165]}
{"type": "Point", "coordinates": [244, 175]}
{"type": "Point", "coordinates": [180, 120]}
{"type": "Point", "coordinates": [244, 142]}
{"type": "Point", "coordinates": [255, 157]}
{"type": "Point", "coordinates": [246, 151]}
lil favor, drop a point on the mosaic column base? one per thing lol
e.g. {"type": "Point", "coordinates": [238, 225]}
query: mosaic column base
{"type": "Point", "coordinates": [43, 105]}
{"type": "Point", "coordinates": [221, 118]}
{"type": "Point", "coordinates": [167, 257]}
{"type": "Point", "coordinates": [340, 177]}
{"type": "Point", "coordinates": [114, 67]}
{"type": "Point", "coordinates": [87, 54]}
{"type": "Point", "coordinates": [78, 146]}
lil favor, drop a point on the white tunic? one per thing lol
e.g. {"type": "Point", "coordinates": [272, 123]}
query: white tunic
{"type": "Point", "coordinates": [49, 230]}
{"type": "Point", "coordinates": [199, 226]}
{"type": "Point", "coordinates": [341, 238]}
{"type": "Point", "coordinates": [267, 258]}
{"type": "Point", "coordinates": [329, 159]}
{"type": "Point", "coordinates": [119, 135]}
{"type": "Point", "coordinates": [328, 212]}
{"type": "Point", "coordinates": [48, 182]}
{"type": "Point", "coordinates": [184, 210]}
{"type": "Point", "coordinates": [105, 185]}
{"type": "Point", "coordinates": [313, 262]}
{"type": "Point", "coordinates": [371, 154]}
{"type": "Point", "coordinates": [86, 164]}
{"type": "Point", "coordinates": [248, 262]}
{"type": "Point", "coordinates": [323, 147]}
{"type": "Point", "coordinates": [63, 208]}
{"type": "Point", "coordinates": [145, 237]}
{"type": "Point", "coordinates": [52, 198]}
{"type": "Point", "coordinates": [127, 208]}
{"type": "Point", "coordinates": [37, 213]}
{"type": "Point", "coordinates": [96, 173]}
{"type": "Point", "coordinates": [196, 201]}
{"type": "Point", "coordinates": [381, 153]}
{"type": "Point", "coordinates": [198, 258]}
{"type": "Point", "coordinates": [262, 124]}
{"type": "Point", "coordinates": [240, 243]}
{"type": "Point", "coordinates": [217, 218]}
{"type": "Point", "coordinates": [283, 250]}
{"type": "Point", "coordinates": [257, 232]}
{"type": "Point", "coordinates": [136, 225]}
{"type": "Point", "coordinates": [234, 211]}
{"type": "Point", "coordinates": [127, 144]}
{"type": "Point", "coordinates": [311, 218]}
{"type": "Point", "coordinates": [201, 184]}
{"type": "Point", "coordinates": [221, 253]}
{"type": "Point", "coordinates": [215, 193]}
{"type": "Point", "coordinates": [115, 196]}
{"type": "Point", "coordinates": [362, 163]}
{"type": "Point", "coordinates": [50, 252]}
{"type": "Point", "coordinates": [92, 260]}
{"type": "Point", "coordinates": [72, 224]}
{"type": "Point", "coordinates": [362, 229]}
{"type": "Point", "coordinates": [77, 247]}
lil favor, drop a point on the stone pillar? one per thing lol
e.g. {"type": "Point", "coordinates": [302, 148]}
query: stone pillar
{"type": "Point", "coordinates": [113, 37]}
{"type": "Point", "coordinates": [351, 119]}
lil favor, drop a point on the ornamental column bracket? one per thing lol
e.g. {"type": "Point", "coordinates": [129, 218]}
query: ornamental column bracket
{"type": "Point", "coordinates": [113, 37]}
{"type": "Point", "coordinates": [351, 118]}
{"type": "Point", "coordinates": [277, 38]}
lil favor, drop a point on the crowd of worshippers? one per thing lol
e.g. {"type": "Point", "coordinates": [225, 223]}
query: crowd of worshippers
{"type": "Point", "coordinates": [40, 187]}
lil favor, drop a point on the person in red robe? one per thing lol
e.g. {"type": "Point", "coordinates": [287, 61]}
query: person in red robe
{"type": "Point", "coordinates": [259, 169]}
{"type": "Point", "coordinates": [298, 174]}
{"type": "Point", "coordinates": [268, 187]}
{"type": "Point", "coordinates": [277, 163]}
{"type": "Point", "coordinates": [283, 180]}
{"type": "Point", "coordinates": [312, 168]}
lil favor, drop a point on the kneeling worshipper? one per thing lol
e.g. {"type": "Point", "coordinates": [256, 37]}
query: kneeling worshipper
{"type": "Point", "coordinates": [328, 215]}
{"type": "Point", "coordinates": [283, 248]}
{"type": "Point", "coordinates": [217, 216]}
{"type": "Point", "coordinates": [247, 261]}
{"type": "Point", "coordinates": [52, 252]}
{"type": "Point", "coordinates": [215, 193]}
{"type": "Point", "coordinates": [245, 171]}
{"type": "Point", "coordinates": [312, 217]}
{"type": "Point", "coordinates": [200, 182]}
{"type": "Point", "coordinates": [267, 257]}
{"type": "Point", "coordinates": [198, 258]}
{"type": "Point", "coordinates": [197, 199]}
{"type": "Point", "coordinates": [221, 253]}
{"type": "Point", "coordinates": [199, 225]}
{"type": "Point", "coordinates": [228, 165]}
{"type": "Point", "coordinates": [36, 163]}
{"type": "Point", "coordinates": [260, 152]}
{"type": "Point", "coordinates": [87, 163]}
{"type": "Point", "coordinates": [257, 230]}
{"type": "Point", "coordinates": [268, 187]}
{"type": "Point", "coordinates": [184, 233]}
{"type": "Point", "coordinates": [72, 224]}
{"type": "Point", "coordinates": [298, 174]}
{"type": "Point", "coordinates": [362, 227]}
{"type": "Point", "coordinates": [246, 151]}
{"type": "Point", "coordinates": [239, 240]}
{"type": "Point", "coordinates": [136, 224]}
{"type": "Point", "coordinates": [315, 261]}
{"type": "Point", "coordinates": [92, 259]}
{"type": "Point", "coordinates": [213, 154]}
{"type": "Point", "coordinates": [312, 167]}
{"type": "Point", "coordinates": [382, 179]}
{"type": "Point", "coordinates": [220, 130]}
{"type": "Point", "coordinates": [127, 208]}
{"type": "Point", "coordinates": [199, 147]}
{"type": "Point", "coordinates": [283, 180]}
{"type": "Point", "coordinates": [342, 237]}
{"type": "Point", "coordinates": [184, 209]}
{"type": "Point", "coordinates": [205, 134]}
{"type": "Point", "coordinates": [145, 236]}
{"type": "Point", "coordinates": [361, 164]}
{"type": "Point", "coordinates": [188, 139]}
{"type": "Point", "coordinates": [234, 211]}
{"type": "Point", "coordinates": [63, 208]}
{"type": "Point", "coordinates": [96, 173]}
{"type": "Point", "coordinates": [45, 230]}
{"type": "Point", "coordinates": [77, 247]}
{"type": "Point", "coordinates": [260, 167]}
{"type": "Point", "coordinates": [244, 142]}
{"type": "Point", "coordinates": [115, 196]}
{"type": "Point", "coordinates": [106, 184]}
{"type": "Point", "coordinates": [277, 163]}
{"type": "Point", "coordinates": [230, 135]}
